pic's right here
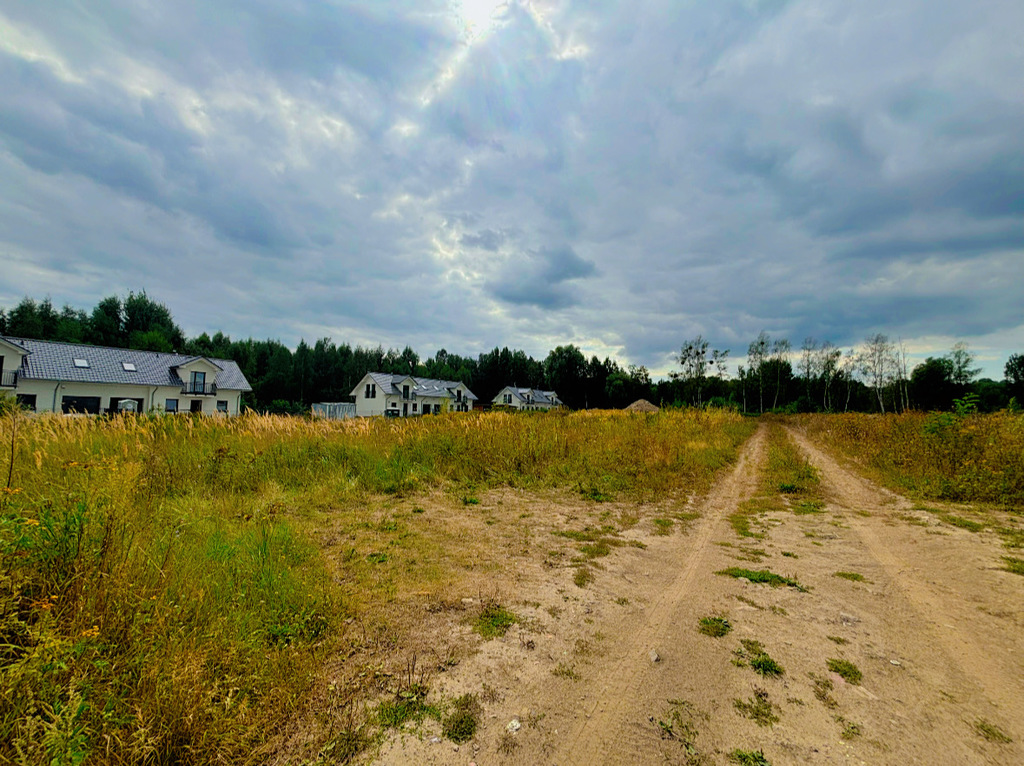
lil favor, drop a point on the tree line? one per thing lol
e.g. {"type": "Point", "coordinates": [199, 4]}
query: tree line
{"type": "Point", "coordinates": [774, 376]}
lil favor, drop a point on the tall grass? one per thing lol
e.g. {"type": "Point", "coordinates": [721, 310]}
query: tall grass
{"type": "Point", "coordinates": [162, 599]}
{"type": "Point", "coordinates": [946, 456]}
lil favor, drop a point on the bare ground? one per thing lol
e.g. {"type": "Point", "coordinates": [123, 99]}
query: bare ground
{"type": "Point", "coordinates": [934, 626]}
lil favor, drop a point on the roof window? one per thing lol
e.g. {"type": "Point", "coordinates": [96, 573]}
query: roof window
{"type": "Point", "coordinates": [128, 366]}
{"type": "Point", "coordinates": [81, 363]}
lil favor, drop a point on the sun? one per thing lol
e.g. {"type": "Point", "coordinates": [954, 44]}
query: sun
{"type": "Point", "coordinates": [478, 15]}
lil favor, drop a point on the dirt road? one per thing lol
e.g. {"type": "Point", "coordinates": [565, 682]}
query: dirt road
{"type": "Point", "coordinates": [617, 672]}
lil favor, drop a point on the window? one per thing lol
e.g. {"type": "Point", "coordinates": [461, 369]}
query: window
{"type": "Point", "coordinates": [414, 406]}
{"type": "Point", "coordinates": [28, 401]}
{"type": "Point", "coordinates": [196, 405]}
{"type": "Point", "coordinates": [198, 380]}
{"type": "Point", "coordinates": [222, 405]}
{"type": "Point", "coordinates": [171, 405]}
{"type": "Point", "coordinates": [458, 394]}
{"type": "Point", "coordinates": [371, 391]}
{"type": "Point", "coordinates": [128, 366]}
{"type": "Point", "coordinates": [405, 392]}
{"type": "Point", "coordinates": [82, 363]}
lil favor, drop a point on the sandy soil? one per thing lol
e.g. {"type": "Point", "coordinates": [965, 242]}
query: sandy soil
{"type": "Point", "coordinates": [935, 627]}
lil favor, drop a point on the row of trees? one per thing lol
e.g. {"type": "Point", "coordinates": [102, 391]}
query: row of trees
{"type": "Point", "coordinates": [871, 377]}
{"type": "Point", "coordinates": [874, 376]}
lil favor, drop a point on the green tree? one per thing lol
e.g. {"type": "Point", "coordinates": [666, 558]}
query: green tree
{"type": "Point", "coordinates": [24, 320]}
{"type": "Point", "coordinates": [931, 384]}
{"type": "Point", "coordinates": [1014, 371]}
{"type": "Point", "coordinates": [565, 370]}
{"type": "Point", "coordinates": [106, 324]}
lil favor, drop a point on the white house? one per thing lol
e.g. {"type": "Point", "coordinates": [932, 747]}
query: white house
{"type": "Point", "coordinates": [380, 393]}
{"type": "Point", "coordinates": [68, 377]}
{"type": "Point", "coordinates": [526, 399]}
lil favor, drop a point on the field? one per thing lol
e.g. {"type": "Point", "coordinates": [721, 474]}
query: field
{"type": "Point", "coordinates": [591, 587]}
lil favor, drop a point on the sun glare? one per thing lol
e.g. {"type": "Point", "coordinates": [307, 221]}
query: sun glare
{"type": "Point", "coordinates": [478, 15]}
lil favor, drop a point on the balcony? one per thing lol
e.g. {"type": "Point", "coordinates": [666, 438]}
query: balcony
{"type": "Point", "coordinates": [8, 379]}
{"type": "Point", "coordinates": [199, 389]}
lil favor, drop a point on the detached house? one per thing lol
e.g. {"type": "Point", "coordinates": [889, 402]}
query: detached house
{"type": "Point", "coordinates": [380, 393]}
{"type": "Point", "coordinates": [67, 377]}
{"type": "Point", "coordinates": [526, 399]}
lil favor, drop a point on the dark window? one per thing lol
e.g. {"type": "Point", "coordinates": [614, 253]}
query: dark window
{"type": "Point", "coordinates": [28, 401]}
{"type": "Point", "coordinates": [196, 405]}
{"type": "Point", "coordinates": [414, 406]}
{"type": "Point", "coordinates": [458, 394]}
{"type": "Point", "coordinates": [437, 409]}
{"type": "Point", "coordinates": [366, 393]}
{"type": "Point", "coordinates": [171, 405]}
{"type": "Point", "coordinates": [405, 392]}
{"type": "Point", "coordinates": [222, 405]}
{"type": "Point", "coordinates": [88, 404]}
{"type": "Point", "coordinates": [198, 381]}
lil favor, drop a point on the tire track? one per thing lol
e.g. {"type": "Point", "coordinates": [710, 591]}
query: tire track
{"type": "Point", "coordinates": [604, 734]}
{"type": "Point", "coordinates": [954, 624]}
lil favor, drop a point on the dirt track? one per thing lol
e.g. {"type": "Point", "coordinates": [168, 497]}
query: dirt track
{"type": "Point", "coordinates": [935, 627]}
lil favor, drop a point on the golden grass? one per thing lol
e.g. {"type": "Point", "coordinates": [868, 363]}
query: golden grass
{"type": "Point", "coordinates": [938, 455]}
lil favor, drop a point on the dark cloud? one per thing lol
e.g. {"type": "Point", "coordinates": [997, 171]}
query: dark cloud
{"type": "Point", "coordinates": [539, 279]}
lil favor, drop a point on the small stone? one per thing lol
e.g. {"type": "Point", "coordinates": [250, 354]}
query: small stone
{"type": "Point", "coordinates": [655, 657]}
{"type": "Point", "coordinates": [467, 601]}
{"type": "Point", "coordinates": [848, 619]}
{"type": "Point", "coordinates": [455, 748]}
{"type": "Point", "coordinates": [895, 662]}
{"type": "Point", "coordinates": [435, 740]}
{"type": "Point", "coordinates": [513, 726]}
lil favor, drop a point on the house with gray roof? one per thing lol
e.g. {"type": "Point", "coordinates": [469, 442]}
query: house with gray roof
{"type": "Point", "coordinates": [381, 393]}
{"type": "Point", "coordinates": [515, 398]}
{"type": "Point", "coordinates": [47, 376]}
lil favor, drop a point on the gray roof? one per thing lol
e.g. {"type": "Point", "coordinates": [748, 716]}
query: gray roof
{"type": "Point", "coordinates": [50, 360]}
{"type": "Point", "coordinates": [539, 397]}
{"type": "Point", "coordinates": [389, 384]}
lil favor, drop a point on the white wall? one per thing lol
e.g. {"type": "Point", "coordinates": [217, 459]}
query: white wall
{"type": "Point", "coordinates": [153, 397]}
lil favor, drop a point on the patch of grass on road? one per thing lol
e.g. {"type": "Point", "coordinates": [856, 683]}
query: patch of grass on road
{"type": "Point", "coordinates": [763, 576]}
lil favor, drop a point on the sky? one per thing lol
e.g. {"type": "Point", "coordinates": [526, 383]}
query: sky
{"type": "Point", "coordinates": [466, 175]}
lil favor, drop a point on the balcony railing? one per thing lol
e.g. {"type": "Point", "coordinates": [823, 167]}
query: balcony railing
{"type": "Point", "coordinates": [8, 379]}
{"type": "Point", "coordinates": [199, 389]}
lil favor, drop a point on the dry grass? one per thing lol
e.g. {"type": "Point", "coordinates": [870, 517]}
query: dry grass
{"type": "Point", "coordinates": [164, 590]}
{"type": "Point", "coordinates": [939, 455]}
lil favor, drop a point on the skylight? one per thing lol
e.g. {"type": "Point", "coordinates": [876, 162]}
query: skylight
{"type": "Point", "coordinates": [128, 366]}
{"type": "Point", "coordinates": [81, 363]}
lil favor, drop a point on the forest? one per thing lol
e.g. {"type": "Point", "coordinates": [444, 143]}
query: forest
{"type": "Point", "coordinates": [817, 376]}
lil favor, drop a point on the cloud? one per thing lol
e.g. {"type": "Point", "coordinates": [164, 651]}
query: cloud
{"type": "Point", "coordinates": [620, 177]}
{"type": "Point", "coordinates": [540, 279]}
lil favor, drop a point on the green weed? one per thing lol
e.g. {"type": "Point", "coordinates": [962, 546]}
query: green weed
{"type": "Point", "coordinates": [461, 723]}
{"type": "Point", "coordinates": [852, 576]}
{"type": "Point", "coordinates": [846, 670]}
{"type": "Point", "coordinates": [1014, 565]}
{"type": "Point", "coordinates": [751, 653]}
{"type": "Point", "coordinates": [991, 732]}
{"type": "Point", "coordinates": [758, 708]}
{"type": "Point", "coordinates": [494, 621]}
{"type": "Point", "coordinates": [763, 576]}
{"type": "Point", "coordinates": [716, 627]}
{"type": "Point", "coordinates": [749, 758]}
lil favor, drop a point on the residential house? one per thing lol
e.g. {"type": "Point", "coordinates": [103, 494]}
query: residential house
{"type": "Point", "coordinates": [47, 376]}
{"type": "Point", "coordinates": [380, 393]}
{"type": "Point", "coordinates": [526, 399]}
